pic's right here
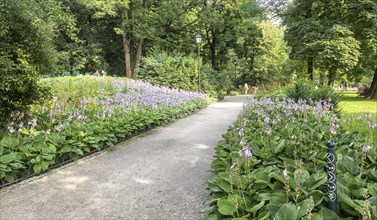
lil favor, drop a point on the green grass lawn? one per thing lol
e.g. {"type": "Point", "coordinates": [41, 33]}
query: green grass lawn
{"type": "Point", "coordinates": [352, 106]}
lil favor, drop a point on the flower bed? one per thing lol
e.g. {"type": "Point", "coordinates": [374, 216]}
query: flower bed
{"type": "Point", "coordinates": [272, 165]}
{"type": "Point", "coordinates": [72, 126]}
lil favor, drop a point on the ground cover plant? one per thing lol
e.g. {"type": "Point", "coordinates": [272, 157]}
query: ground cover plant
{"type": "Point", "coordinates": [271, 164]}
{"type": "Point", "coordinates": [86, 114]}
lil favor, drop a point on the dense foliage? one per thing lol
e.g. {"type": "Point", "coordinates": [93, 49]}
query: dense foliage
{"type": "Point", "coordinates": [79, 121]}
{"type": "Point", "coordinates": [175, 71]}
{"type": "Point", "coordinates": [272, 164]}
{"type": "Point", "coordinates": [306, 90]}
{"type": "Point", "coordinates": [338, 38]}
{"type": "Point", "coordinates": [27, 49]}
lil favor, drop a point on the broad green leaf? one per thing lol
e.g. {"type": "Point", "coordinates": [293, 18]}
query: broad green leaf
{"type": "Point", "coordinates": [304, 175]}
{"type": "Point", "coordinates": [287, 211]}
{"type": "Point", "coordinates": [9, 158]}
{"type": "Point", "coordinates": [226, 207]}
{"type": "Point", "coordinates": [44, 165]}
{"type": "Point", "coordinates": [372, 188]}
{"type": "Point", "coordinates": [16, 165]}
{"type": "Point", "coordinates": [48, 157]}
{"type": "Point", "coordinates": [25, 150]}
{"type": "Point", "coordinates": [255, 208]}
{"type": "Point", "coordinates": [343, 198]}
{"type": "Point", "coordinates": [211, 217]}
{"type": "Point", "coordinates": [5, 168]}
{"type": "Point", "coordinates": [317, 216]}
{"type": "Point", "coordinates": [317, 196]}
{"type": "Point", "coordinates": [328, 213]}
{"type": "Point", "coordinates": [348, 164]}
{"type": "Point", "coordinates": [9, 142]}
{"type": "Point", "coordinates": [278, 175]}
{"type": "Point", "coordinates": [9, 178]}
{"type": "Point", "coordinates": [374, 212]}
{"type": "Point", "coordinates": [2, 151]}
{"type": "Point", "coordinates": [278, 198]}
{"type": "Point", "coordinates": [37, 168]}
{"type": "Point", "coordinates": [279, 147]}
{"type": "Point", "coordinates": [316, 180]}
{"type": "Point", "coordinates": [263, 215]}
{"type": "Point", "coordinates": [263, 196]}
{"type": "Point", "coordinates": [222, 183]}
{"type": "Point", "coordinates": [303, 208]}
{"type": "Point", "coordinates": [208, 209]}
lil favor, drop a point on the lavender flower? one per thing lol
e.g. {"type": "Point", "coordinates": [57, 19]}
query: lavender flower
{"type": "Point", "coordinates": [246, 152]}
{"type": "Point", "coordinates": [371, 125]}
{"type": "Point", "coordinates": [241, 132]}
{"type": "Point", "coordinates": [366, 148]}
{"type": "Point", "coordinates": [33, 122]}
{"type": "Point", "coordinates": [333, 126]}
{"type": "Point", "coordinates": [11, 128]}
{"type": "Point", "coordinates": [269, 131]}
{"type": "Point", "coordinates": [266, 120]}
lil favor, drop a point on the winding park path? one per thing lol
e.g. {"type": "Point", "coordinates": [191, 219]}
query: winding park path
{"type": "Point", "coordinates": [158, 175]}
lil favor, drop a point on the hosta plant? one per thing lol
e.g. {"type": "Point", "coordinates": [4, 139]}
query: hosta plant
{"type": "Point", "coordinates": [72, 124]}
{"type": "Point", "coordinates": [271, 164]}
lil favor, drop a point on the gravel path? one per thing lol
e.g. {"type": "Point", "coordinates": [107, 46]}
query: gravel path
{"type": "Point", "coordinates": [158, 175]}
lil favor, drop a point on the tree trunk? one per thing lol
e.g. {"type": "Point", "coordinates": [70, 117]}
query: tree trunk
{"type": "Point", "coordinates": [372, 92]}
{"type": "Point", "coordinates": [252, 75]}
{"type": "Point", "coordinates": [310, 69]}
{"type": "Point", "coordinates": [213, 51]}
{"type": "Point", "coordinates": [331, 80]}
{"type": "Point", "coordinates": [138, 58]}
{"type": "Point", "coordinates": [139, 49]}
{"type": "Point", "coordinates": [126, 43]}
{"type": "Point", "coordinates": [321, 79]}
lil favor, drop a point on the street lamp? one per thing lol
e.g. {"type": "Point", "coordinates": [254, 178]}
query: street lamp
{"type": "Point", "coordinates": [198, 41]}
{"type": "Point", "coordinates": [235, 73]}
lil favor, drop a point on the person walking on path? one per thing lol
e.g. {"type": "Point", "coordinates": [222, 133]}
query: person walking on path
{"type": "Point", "coordinates": [246, 88]}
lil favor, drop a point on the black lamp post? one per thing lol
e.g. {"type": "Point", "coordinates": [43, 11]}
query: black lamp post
{"type": "Point", "coordinates": [198, 41]}
{"type": "Point", "coordinates": [235, 73]}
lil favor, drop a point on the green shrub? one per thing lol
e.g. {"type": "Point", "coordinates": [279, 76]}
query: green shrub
{"type": "Point", "coordinates": [71, 87]}
{"type": "Point", "coordinates": [305, 90]}
{"type": "Point", "coordinates": [18, 92]}
{"type": "Point", "coordinates": [300, 90]}
{"type": "Point", "coordinates": [176, 71]}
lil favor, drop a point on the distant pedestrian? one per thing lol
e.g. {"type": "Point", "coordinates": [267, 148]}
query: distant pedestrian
{"type": "Point", "coordinates": [246, 88]}
{"type": "Point", "coordinates": [255, 89]}
{"type": "Point", "coordinates": [96, 73]}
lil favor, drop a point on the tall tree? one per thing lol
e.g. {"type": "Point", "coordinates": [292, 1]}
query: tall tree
{"type": "Point", "coordinates": [224, 22]}
{"type": "Point", "coordinates": [339, 51]}
{"type": "Point", "coordinates": [116, 9]}
{"type": "Point", "coordinates": [361, 15]}
{"type": "Point", "coordinates": [303, 29]}
{"type": "Point", "coordinates": [27, 33]}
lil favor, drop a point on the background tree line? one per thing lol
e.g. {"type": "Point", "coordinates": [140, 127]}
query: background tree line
{"type": "Point", "coordinates": [327, 40]}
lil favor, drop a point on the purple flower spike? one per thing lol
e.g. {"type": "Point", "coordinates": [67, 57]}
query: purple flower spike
{"type": "Point", "coordinates": [371, 125]}
{"type": "Point", "coordinates": [241, 132]}
{"type": "Point", "coordinates": [365, 148]}
{"type": "Point", "coordinates": [246, 152]}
